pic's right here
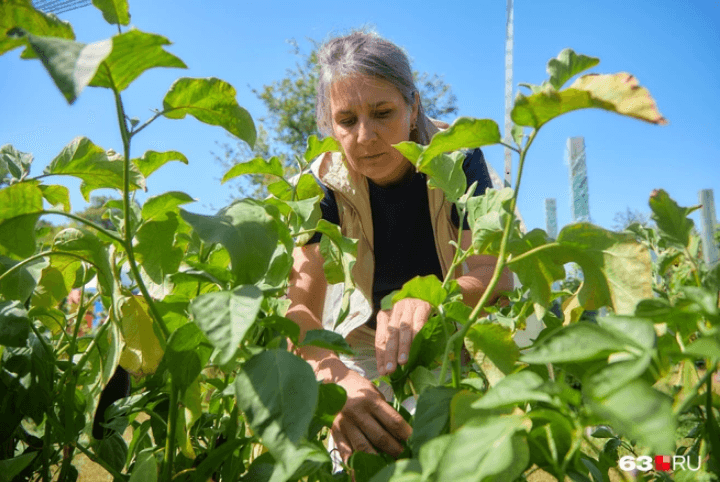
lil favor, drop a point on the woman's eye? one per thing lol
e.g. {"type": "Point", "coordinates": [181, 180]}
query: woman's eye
{"type": "Point", "coordinates": [347, 122]}
{"type": "Point", "coordinates": [383, 113]}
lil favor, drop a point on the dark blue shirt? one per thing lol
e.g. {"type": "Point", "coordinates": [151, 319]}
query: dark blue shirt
{"type": "Point", "coordinates": [404, 244]}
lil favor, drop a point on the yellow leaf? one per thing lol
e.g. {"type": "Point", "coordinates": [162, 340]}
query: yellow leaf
{"type": "Point", "coordinates": [142, 351]}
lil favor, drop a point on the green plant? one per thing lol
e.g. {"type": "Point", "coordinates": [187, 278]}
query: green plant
{"type": "Point", "coordinates": [202, 329]}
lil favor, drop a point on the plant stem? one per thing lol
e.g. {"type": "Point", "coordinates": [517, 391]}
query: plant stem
{"type": "Point", "coordinates": [499, 266]}
{"type": "Point", "coordinates": [530, 253]}
{"type": "Point", "coordinates": [42, 255]}
{"type": "Point", "coordinates": [127, 242]}
{"type": "Point", "coordinates": [172, 428]}
{"type": "Point", "coordinates": [146, 123]}
{"type": "Point", "coordinates": [86, 354]}
{"type": "Point", "coordinates": [82, 220]}
{"type": "Point", "coordinates": [693, 393]}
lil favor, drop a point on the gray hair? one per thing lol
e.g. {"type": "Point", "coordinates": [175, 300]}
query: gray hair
{"type": "Point", "coordinates": [366, 53]}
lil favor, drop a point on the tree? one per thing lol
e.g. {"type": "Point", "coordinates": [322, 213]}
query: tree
{"type": "Point", "coordinates": [624, 219]}
{"type": "Point", "coordinates": [291, 117]}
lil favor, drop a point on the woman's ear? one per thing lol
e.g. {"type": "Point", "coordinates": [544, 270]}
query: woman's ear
{"type": "Point", "coordinates": [415, 108]}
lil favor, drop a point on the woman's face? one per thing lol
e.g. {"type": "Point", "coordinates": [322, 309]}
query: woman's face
{"type": "Point", "coordinates": [369, 115]}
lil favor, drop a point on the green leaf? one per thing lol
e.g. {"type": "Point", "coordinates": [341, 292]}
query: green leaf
{"type": "Point", "coordinates": [705, 347]}
{"type": "Point", "coordinates": [14, 324]}
{"type": "Point", "coordinates": [156, 208]}
{"type": "Point", "coordinates": [18, 205]}
{"type": "Point", "coordinates": [316, 147]}
{"type": "Point", "coordinates": [331, 399]}
{"type": "Point", "coordinates": [427, 288]}
{"type": "Point", "coordinates": [156, 252]}
{"type": "Point", "coordinates": [22, 14]}
{"type": "Point", "coordinates": [487, 450]}
{"type": "Point", "coordinates": [495, 342]}
{"type": "Point", "coordinates": [538, 272]}
{"type": "Point", "coordinates": [567, 65]}
{"type": "Point", "coordinates": [215, 458]}
{"type": "Point", "coordinates": [86, 244]}
{"type": "Point", "coordinates": [327, 339]}
{"type": "Point", "coordinates": [640, 412]}
{"type": "Point", "coordinates": [9, 468]}
{"type": "Point", "coordinates": [113, 450]}
{"type": "Point", "coordinates": [464, 133]}
{"type": "Point", "coordinates": [524, 386]}
{"type": "Point", "coordinates": [432, 416]}
{"type": "Point", "coordinates": [145, 469]}
{"type": "Point", "coordinates": [278, 393]}
{"type": "Point", "coordinates": [577, 342]}
{"type": "Point", "coordinates": [97, 169]}
{"type": "Point", "coordinates": [338, 252]}
{"type": "Point", "coordinates": [115, 12]}
{"type": "Point", "coordinates": [70, 64]}
{"type": "Point", "coordinates": [487, 216]}
{"type": "Point", "coordinates": [248, 233]}
{"type": "Point", "coordinates": [445, 172]}
{"type": "Point", "coordinates": [211, 101]}
{"type": "Point", "coordinates": [226, 316]}
{"type": "Point", "coordinates": [617, 269]}
{"type": "Point", "coordinates": [20, 284]}
{"type": "Point", "coordinates": [282, 325]}
{"type": "Point", "coordinates": [410, 150]}
{"type": "Point", "coordinates": [187, 353]}
{"type": "Point", "coordinates": [517, 134]}
{"type": "Point", "coordinates": [365, 465]}
{"type": "Point", "coordinates": [618, 93]}
{"type": "Point", "coordinates": [57, 196]}
{"type": "Point", "coordinates": [151, 161]}
{"type": "Point", "coordinates": [17, 163]}
{"type": "Point", "coordinates": [428, 344]}
{"type": "Point", "coordinates": [58, 278]}
{"type": "Point", "coordinates": [256, 166]}
{"type": "Point", "coordinates": [605, 381]}
{"type": "Point", "coordinates": [306, 187]}
{"type": "Point", "coordinates": [133, 52]}
{"type": "Point", "coordinates": [142, 352]}
{"type": "Point", "coordinates": [403, 470]}
{"type": "Point", "coordinates": [673, 223]}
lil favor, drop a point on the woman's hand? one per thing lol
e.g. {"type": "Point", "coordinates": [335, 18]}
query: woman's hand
{"type": "Point", "coordinates": [367, 422]}
{"type": "Point", "coordinates": [396, 329]}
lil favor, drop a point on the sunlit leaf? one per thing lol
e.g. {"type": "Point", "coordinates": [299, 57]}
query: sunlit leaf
{"type": "Point", "coordinates": [464, 133]}
{"type": "Point", "coordinates": [618, 93]}
{"type": "Point", "coordinates": [226, 316]}
{"type": "Point", "coordinates": [486, 449]}
{"type": "Point", "coordinates": [156, 251]}
{"type": "Point", "coordinates": [156, 208]}
{"type": "Point", "coordinates": [578, 342]}
{"type": "Point", "coordinates": [114, 12]}
{"type": "Point", "coordinates": [432, 416]}
{"type": "Point", "coordinates": [21, 283]}
{"type": "Point", "coordinates": [58, 279]}
{"type": "Point", "coordinates": [641, 413]}
{"type": "Point", "coordinates": [248, 233]}
{"type": "Point", "coordinates": [151, 161]}
{"type": "Point", "coordinates": [306, 187]}
{"type": "Point", "coordinates": [17, 163]}
{"type": "Point", "coordinates": [278, 393]}
{"type": "Point", "coordinates": [83, 159]}
{"type": "Point", "coordinates": [142, 352]}
{"type": "Point", "coordinates": [133, 52]}
{"type": "Point", "coordinates": [427, 288]}
{"type": "Point", "coordinates": [445, 172]}
{"type": "Point", "coordinates": [327, 339]}
{"type": "Point", "coordinates": [255, 166]}
{"type": "Point", "coordinates": [88, 245]}
{"type": "Point", "coordinates": [605, 381]}
{"type": "Point", "coordinates": [57, 196]}
{"type": "Point", "coordinates": [22, 14]}
{"type": "Point", "coordinates": [673, 223]}
{"type": "Point", "coordinates": [316, 147]}
{"type": "Point", "coordinates": [493, 341]}
{"type": "Point", "coordinates": [19, 205]}
{"type": "Point", "coordinates": [145, 469]}
{"type": "Point", "coordinates": [338, 252]}
{"type": "Point", "coordinates": [567, 65]}
{"type": "Point", "coordinates": [487, 216]}
{"type": "Point", "coordinates": [331, 399]}
{"type": "Point", "coordinates": [617, 269]}
{"type": "Point", "coordinates": [524, 386]}
{"type": "Point", "coordinates": [211, 101]}
{"type": "Point", "coordinates": [70, 64]}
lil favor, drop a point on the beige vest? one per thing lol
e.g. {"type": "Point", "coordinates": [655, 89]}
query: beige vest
{"type": "Point", "coordinates": [353, 200]}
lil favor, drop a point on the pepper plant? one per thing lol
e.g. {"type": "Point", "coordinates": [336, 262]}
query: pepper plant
{"type": "Point", "coordinates": [216, 394]}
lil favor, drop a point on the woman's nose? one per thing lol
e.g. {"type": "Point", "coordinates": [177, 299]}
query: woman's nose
{"type": "Point", "coordinates": [366, 130]}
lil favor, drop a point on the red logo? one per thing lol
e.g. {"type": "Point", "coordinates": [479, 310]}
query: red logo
{"type": "Point", "coordinates": [662, 463]}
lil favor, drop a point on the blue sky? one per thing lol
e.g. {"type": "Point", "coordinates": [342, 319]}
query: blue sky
{"type": "Point", "coordinates": [671, 46]}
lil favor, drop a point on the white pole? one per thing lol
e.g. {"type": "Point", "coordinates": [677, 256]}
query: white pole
{"type": "Point", "coordinates": [709, 221]}
{"type": "Point", "coordinates": [508, 90]}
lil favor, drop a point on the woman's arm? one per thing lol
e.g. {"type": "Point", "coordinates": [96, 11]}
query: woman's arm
{"type": "Point", "coordinates": [397, 328]}
{"type": "Point", "coordinates": [366, 421]}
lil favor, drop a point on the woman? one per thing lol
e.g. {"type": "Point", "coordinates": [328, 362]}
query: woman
{"type": "Point", "coordinates": [367, 101]}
